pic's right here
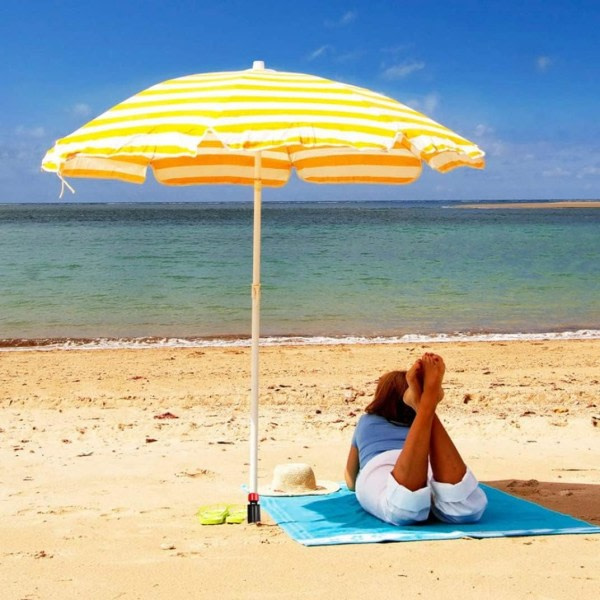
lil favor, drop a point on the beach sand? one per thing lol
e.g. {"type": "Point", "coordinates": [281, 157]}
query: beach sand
{"type": "Point", "coordinates": [98, 495]}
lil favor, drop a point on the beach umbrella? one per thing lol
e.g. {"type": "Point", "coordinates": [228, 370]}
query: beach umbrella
{"type": "Point", "coordinates": [252, 127]}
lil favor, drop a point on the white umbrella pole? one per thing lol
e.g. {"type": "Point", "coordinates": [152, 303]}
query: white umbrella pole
{"type": "Point", "coordinates": [253, 505]}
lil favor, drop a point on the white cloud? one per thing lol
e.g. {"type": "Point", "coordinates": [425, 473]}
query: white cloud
{"type": "Point", "coordinates": [484, 136]}
{"type": "Point", "coordinates": [81, 110]}
{"type": "Point", "coordinates": [320, 52]}
{"type": "Point", "coordinates": [30, 132]}
{"type": "Point", "coordinates": [544, 169]}
{"type": "Point", "coordinates": [396, 50]}
{"type": "Point", "coordinates": [428, 104]}
{"type": "Point", "coordinates": [543, 63]}
{"type": "Point", "coordinates": [21, 151]}
{"type": "Point", "coordinates": [349, 56]}
{"type": "Point", "coordinates": [330, 51]}
{"type": "Point", "coordinates": [557, 171]}
{"type": "Point", "coordinates": [347, 18]}
{"type": "Point", "coordinates": [482, 130]}
{"type": "Point", "coordinates": [402, 70]}
{"type": "Point", "coordinates": [587, 171]}
{"type": "Point", "coordinates": [494, 148]}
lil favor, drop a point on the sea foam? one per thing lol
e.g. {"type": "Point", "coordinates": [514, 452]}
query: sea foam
{"type": "Point", "coordinates": [243, 342]}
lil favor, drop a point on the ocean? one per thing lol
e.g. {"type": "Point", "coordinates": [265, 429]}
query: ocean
{"type": "Point", "coordinates": [100, 275]}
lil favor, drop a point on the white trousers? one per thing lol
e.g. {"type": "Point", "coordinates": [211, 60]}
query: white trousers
{"type": "Point", "coordinates": [381, 495]}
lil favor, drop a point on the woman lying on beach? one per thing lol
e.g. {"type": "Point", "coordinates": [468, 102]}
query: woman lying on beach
{"type": "Point", "coordinates": [402, 462]}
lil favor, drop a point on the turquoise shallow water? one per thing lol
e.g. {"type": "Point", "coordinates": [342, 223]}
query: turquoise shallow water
{"type": "Point", "coordinates": [328, 269]}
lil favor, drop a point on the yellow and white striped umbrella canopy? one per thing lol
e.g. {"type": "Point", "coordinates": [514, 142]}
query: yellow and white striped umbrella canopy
{"type": "Point", "coordinates": [204, 129]}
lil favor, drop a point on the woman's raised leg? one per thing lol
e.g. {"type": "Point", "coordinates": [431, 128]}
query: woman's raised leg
{"type": "Point", "coordinates": [411, 468]}
{"type": "Point", "coordinates": [446, 462]}
{"type": "Point", "coordinates": [457, 497]}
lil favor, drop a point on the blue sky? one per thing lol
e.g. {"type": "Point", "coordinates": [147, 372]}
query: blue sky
{"type": "Point", "coordinates": [520, 78]}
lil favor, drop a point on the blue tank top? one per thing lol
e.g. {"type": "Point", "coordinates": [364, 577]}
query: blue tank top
{"type": "Point", "coordinates": [374, 435]}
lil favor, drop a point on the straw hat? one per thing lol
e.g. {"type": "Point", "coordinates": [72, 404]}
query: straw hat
{"type": "Point", "coordinates": [296, 479]}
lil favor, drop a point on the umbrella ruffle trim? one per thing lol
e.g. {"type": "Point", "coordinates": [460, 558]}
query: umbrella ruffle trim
{"type": "Point", "coordinates": [144, 149]}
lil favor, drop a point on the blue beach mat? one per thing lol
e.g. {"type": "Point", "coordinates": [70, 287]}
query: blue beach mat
{"type": "Point", "coordinates": [339, 519]}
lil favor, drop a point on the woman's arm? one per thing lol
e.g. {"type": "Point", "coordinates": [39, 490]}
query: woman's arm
{"type": "Point", "coordinates": [352, 467]}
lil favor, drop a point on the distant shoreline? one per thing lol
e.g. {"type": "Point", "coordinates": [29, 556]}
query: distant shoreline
{"type": "Point", "coordinates": [565, 204]}
{"type": "Point", "coordinates": [454, 203]}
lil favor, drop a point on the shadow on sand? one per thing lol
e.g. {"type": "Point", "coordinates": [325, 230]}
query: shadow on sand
{"type": "Point", "coordinates": [579, 500]}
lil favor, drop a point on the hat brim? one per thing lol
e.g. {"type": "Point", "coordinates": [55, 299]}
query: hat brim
{"type": "Point", "coordinates": [323, 487]}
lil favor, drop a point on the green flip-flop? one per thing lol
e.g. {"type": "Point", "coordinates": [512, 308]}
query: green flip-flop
{"type": "Point", "coordinates": [213, 514]}
{"type": "Point", "coordinates": [237, 514]}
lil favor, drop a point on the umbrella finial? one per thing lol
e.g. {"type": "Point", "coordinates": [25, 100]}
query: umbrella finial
{"type": "Point", "coordinates": [258, 65]}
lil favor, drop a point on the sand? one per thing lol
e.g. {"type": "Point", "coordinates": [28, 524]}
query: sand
{"type": "Point", "coordinates": [98, 495]}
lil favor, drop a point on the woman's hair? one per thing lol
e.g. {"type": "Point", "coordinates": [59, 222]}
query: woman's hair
{"type": "Point", "coordinates": [388, 402]}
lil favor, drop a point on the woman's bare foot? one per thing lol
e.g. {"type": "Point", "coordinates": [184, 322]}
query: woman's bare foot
{"type": "Point", "coordinates": [414, 379]}
{"type": "Point", "coordinates": [433, 374]}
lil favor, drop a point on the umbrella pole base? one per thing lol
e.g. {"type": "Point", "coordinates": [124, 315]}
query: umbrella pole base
{"type": "Point", "coordinates": [253, 509]}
